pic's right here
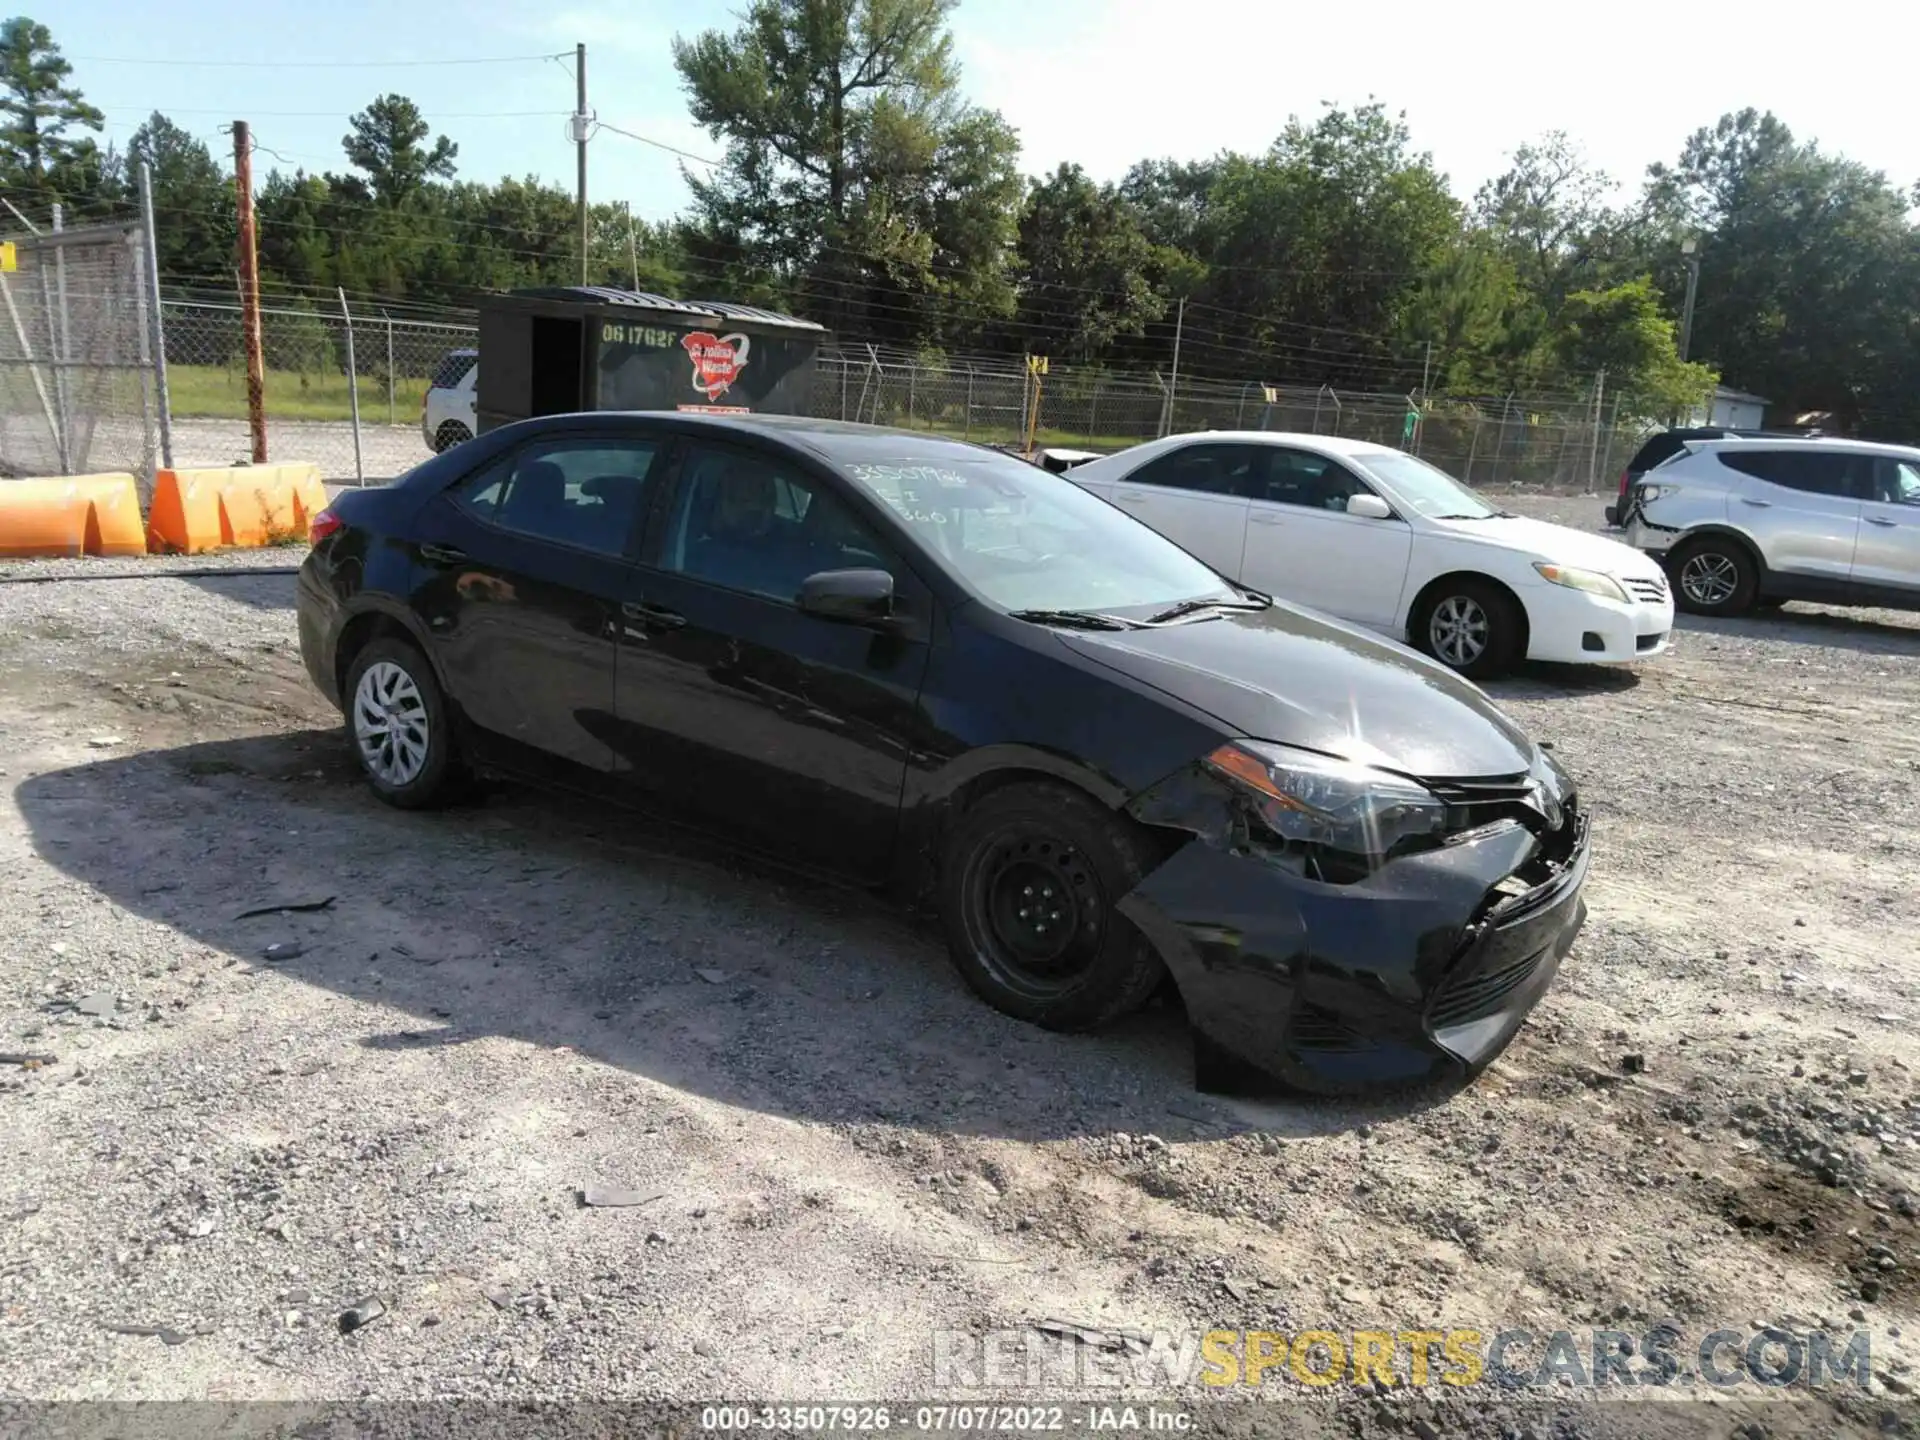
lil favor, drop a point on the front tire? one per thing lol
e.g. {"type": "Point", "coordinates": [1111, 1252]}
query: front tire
{"type": "Point", "coordinates": [1027, 894]}
{"type": "Point", "coordinates": [1715, 576]}
{"type": "Point", "coordinates": [1472, 626]}
{"type": "Point", "coordinates": [398, 727]}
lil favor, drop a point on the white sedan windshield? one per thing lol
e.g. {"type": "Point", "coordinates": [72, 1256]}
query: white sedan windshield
{"type": "Point", "coordinates": [1030, 540]}
{"type": "Point", "coordinates": [1426, 489]}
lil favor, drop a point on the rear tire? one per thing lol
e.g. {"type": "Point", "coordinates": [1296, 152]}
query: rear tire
{"type": "Point", "coordinates": [1471, 625]}
{"type": "Point", "coordinates": [450, 434]}
{"type": "Point", "coordinates": [398, 727]}
{"type": "Point", "coordinates": [1714, 576]}
{"type": "Point", "coordinates": [1031, 877]}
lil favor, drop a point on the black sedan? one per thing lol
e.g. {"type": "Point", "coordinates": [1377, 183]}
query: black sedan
{"type": "Point", "coordinates": [915, 661]}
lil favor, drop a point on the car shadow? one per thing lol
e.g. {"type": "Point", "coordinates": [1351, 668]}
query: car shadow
{"type": "Point", "coordinates": [1863, 631]}
{"type": "Point", "coordinates": [1539, 680]}
{"type": "Point", "coordinates": [568, 924]}
{"type": "Point", "coordinates": [259, 590]}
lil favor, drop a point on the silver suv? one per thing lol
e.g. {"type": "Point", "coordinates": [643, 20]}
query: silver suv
{"type": "Point", "coordinates": [1741, 524]}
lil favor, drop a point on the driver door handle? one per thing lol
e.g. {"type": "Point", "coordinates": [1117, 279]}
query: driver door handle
{"type": "Point", "coordinates": [1757, 504]}
{"type": "Point", "coordinates": [1133, 495]}
{"type": "Point", "coordinates": [1260, 517]}
{"type": "Point", "coordinates": [442, 554]}
{"type": "Point", "coordinates": [1876, 520]}
{"type": "Point", "coordinates": [658, 616]}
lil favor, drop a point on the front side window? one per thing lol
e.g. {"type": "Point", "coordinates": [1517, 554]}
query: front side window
{"type": "Point", "coordinates": [1896, 482]}
{"type": "Point", "coordinates": [754, 524]}
{"type": "Point", "coordinates": [1024, 538]}
{"type": "Point", "coordinates": [582, 493]}
{"type": "Point", "coordinates": [1313, 482]}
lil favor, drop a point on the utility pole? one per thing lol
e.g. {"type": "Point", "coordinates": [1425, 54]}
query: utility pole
{"type": "Point", "coordinates": [250, 290]}
{"type": "Point", "coordinates": [633, 247]}
{"type": "Point", "coordinates": [580, 143]}
{"type": "Point", "coordinates": [1688, 247]}
{"type": "Point", "coordinates": [157, 324]}
{"type": "Point", "coordinates": [1593, 439]}
{"type": "Point", "coordinates": [1173, 386]}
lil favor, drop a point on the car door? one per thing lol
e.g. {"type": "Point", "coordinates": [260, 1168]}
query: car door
{"type": "Point", "coordinates": [1302, 544]}
{"type": "Point", "coordinates": [1886, 557]}
{"type": "Point", "coordinates": [1800, 506]}
{"type": "Point", "coordinates": [521, 569]}
{"type": "Point", "coordinates": [1196, 496]}
{"type": "Point", "coordinates": [738, 710]}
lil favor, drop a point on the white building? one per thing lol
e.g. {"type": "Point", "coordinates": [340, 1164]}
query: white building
{"type": "Point", "coordinates": [1732, 409]}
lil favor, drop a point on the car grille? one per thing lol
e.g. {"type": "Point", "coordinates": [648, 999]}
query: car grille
{"type": "Point", "coordinates": [1317, 1029]}
{"type": "Point", "coordinates": [1473, 803]}
{"type": "Point", "coordinates": [1653, 590]}
{"type": "Point", "coordinates": [1463, 998]}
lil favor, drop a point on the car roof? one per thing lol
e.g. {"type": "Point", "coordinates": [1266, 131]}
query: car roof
{"type": "Point", "coordinates": [836, 440]}
{"type": "Point", "coordinates": [1804, 442]}
{"type": "Point", "coordinates": [1325, 444]}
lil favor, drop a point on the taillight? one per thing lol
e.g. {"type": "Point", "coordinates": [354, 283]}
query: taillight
{"type": "Point", "coordinates": [324, 524]}
{"type": "Point", "coordinates": [1626, 479]}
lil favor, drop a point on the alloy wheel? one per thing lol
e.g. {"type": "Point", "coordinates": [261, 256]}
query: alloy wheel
{"type": "Point", "coordinates": [390, 724]}
{"type": "Point", "coordinates": [1459, 629]}
{"type": "Point", "coordinates": [1709, 578]}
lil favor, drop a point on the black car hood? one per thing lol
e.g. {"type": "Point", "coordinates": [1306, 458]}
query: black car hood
{"type": "Point", "coordinates": [1290, 676]}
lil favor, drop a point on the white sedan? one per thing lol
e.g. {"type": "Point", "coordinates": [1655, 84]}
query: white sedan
{"type": "Point", "coordinates": [1379, 537]}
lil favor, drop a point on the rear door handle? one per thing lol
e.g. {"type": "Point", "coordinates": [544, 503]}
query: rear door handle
{"type": "Point", "coordinates": [1257, 518]}
{"type": "Point", "coordinates": [658, 616]}
{"type": "Point", "coordinates": [442, 554]}
{"type": "Point", "coordinates": [1133, 495]}
{"type": "Point", "coordinates": [1757, 504]}
{"type": "Point", "coordinates": [1876, 520]}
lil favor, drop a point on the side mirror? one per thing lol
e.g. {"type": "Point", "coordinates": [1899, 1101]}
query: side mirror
{"type": "Point", "coordinates": [853, 597]}
{"type": "Point", "coordinates": [1369, 507]}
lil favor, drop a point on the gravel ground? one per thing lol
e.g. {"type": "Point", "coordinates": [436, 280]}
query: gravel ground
{"type": "Point", "coordinates": [1713, 1119]}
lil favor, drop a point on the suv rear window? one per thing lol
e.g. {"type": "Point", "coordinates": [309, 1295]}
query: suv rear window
{"type": "Point", "coordinates": [453, 369]}
{"type": "Point", "coordinates": [1816, 472]}
{"type": "Point", "coordinates": [1658, 448]}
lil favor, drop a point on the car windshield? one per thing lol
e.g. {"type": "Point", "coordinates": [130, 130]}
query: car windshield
{"type": "Point", "coordinates": [1029, 540]}
{"type": "Point", "coordinates": [1427, 489]}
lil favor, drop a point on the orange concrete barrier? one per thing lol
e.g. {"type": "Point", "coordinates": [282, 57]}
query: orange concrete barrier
{"type": "Point", "coordinates": [240, 505]}
{"type": "Point", "coordinates": [71, 515]}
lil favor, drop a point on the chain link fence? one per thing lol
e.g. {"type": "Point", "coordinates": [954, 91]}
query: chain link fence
{"type": "Point", "coordinates": [76, 380]}
{"type": "Point", "coordinates": [311, 394]}
{"type": "Point", "coordinates": [1563, 442]}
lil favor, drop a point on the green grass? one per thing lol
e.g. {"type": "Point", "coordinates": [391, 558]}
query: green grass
{"type": "Point", "coordinates": [216, 392]}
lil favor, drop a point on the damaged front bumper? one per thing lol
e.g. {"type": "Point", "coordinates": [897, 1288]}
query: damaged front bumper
{"type": "Point", "coordinates": [1421, 971]}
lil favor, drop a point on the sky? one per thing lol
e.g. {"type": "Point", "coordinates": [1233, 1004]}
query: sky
{"type": "Point", "coordinates": [1100, 82]}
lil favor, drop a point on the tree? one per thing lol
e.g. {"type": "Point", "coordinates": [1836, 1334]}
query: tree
{"type": "Point", "coordinates": [38, 109]}
{"type": "Point", "coordinates": [1806, 260]}
{"type": "Point", "coordinates": [192, 200]}
{"type": "Point", "coordinates": [855, 173]}
{"type": "Point", "coordinates": [1626, 332]}
{"type": "Point", "coordinates": [1086, 268]}
{"type": "Point", "coordinates": [386, 141]}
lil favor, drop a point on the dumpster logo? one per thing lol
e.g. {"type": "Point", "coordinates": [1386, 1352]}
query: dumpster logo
{"type": "Point", "coordinates": [717, 361]}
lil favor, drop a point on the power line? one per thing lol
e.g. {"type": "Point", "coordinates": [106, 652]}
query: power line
{"type": "Point", "coordinates": [307, 64]}
{"type": "Point", "coordinates": [657, 144]}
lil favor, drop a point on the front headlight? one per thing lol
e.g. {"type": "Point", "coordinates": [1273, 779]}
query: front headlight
{"type": "Point", "coordinates": [1319, 801]}
{"type": "Point", "coordinates": [1591, 581]}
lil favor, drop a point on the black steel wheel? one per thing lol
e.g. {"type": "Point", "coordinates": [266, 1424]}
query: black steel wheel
{"type": "Point", "coordinates": [450, 434]}
{"type": "Point", "coordinates": [1032, 874]}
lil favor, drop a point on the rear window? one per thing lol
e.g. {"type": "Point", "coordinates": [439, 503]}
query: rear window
{"type": "Point", "coordinates": [1815, 472]}
{"type": "Point", "coordinates": [1661, 447]}
{"type": "Point", "coordinates": [453, 369]}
